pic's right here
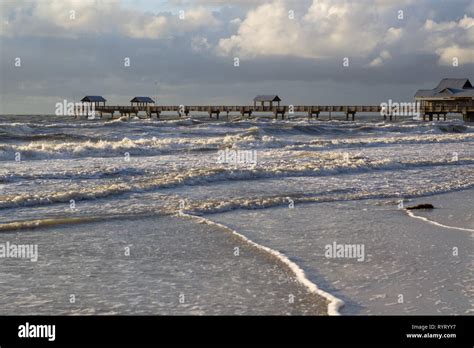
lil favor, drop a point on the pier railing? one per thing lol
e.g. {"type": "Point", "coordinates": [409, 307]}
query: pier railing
{"type": "Point", "coordinates": [425, 109]}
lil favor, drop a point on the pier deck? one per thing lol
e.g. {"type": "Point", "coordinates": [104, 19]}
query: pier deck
{"type": "Point", "coordinates": [466, 109]}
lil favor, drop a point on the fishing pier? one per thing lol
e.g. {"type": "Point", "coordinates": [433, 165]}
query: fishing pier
{"type": "Point", "coordinates": [427, 112]}
{"type": "Point", "coordinates": [451, 96]}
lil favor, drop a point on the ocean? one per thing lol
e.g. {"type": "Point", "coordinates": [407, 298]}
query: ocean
{"type": "Point", "coordinates": [198, 216]}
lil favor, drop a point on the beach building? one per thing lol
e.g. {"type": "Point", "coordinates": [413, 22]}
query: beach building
{"type": "Point", "coordinates": [448, 91]}
{"type": "Point", "coordinates": [449, 94]}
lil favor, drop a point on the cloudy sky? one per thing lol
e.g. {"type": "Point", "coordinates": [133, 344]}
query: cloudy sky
{"type": "Point", "coordinates": [185, 51]}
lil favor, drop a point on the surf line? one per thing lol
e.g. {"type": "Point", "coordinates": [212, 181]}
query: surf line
{"type": "Point", "coordinates": [334, 303]}
{"type": "Point", "coordinates": [410, 213]}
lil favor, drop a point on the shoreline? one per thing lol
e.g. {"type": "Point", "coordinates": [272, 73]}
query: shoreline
{"type": "Point", "coordinates": [409, 224]}
{"type": "Point", "coordinates": [168, 256]}
{"type": "Point", "coordinates": [334, 304]}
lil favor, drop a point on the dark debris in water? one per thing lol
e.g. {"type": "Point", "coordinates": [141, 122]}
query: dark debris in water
{"type": "Point", "coordinates": [421, 206]}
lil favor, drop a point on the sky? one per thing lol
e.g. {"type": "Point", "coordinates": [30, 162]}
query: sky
{"type": "Point", "coordinates": [210, 52]}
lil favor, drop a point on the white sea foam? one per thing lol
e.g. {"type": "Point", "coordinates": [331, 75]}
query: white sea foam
{"type": "Point", "coordinates": [422, 218]}
{"type": "Point", "coordinates": [334, 304]}
{"type": "Point", "coordinates": [75, 173]}
{"type": "Point", "coordinates": [109, 148]}
{"type": "Point", "coordinates": [253, 134]}
{"type": "Point", "coordinates": [335, 165]}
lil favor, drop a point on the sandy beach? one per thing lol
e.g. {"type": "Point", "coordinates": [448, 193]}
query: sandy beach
{"type": "Point", "coordinates": [411, 266]}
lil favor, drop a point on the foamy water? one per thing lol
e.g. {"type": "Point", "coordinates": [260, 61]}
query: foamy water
{"type": "Point", "coordinates": [58, 173]}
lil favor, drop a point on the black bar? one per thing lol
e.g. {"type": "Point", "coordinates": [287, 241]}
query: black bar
{"type": "Point", "coordinates": [140, 330]}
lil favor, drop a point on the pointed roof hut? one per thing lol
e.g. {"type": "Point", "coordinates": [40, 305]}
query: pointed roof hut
{"type": "Point", "coordinates": [142, 101]}
{"type": "Point", "coordinates": [270, 98]}
{"type": "Point", "coordinates": [94, 99]}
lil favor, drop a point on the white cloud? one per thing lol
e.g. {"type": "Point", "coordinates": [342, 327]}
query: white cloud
{"type": "Point", "coordinates": [451, 39]}
{"type": "Point", "coordinates": [382, 58]}
{"type": "Point", "coordinates": [393, 35]}
{"type": "Point", "coordinates": [71, 18]}
{"type": "Point", "coordinates": [327, 29]}
{"type": "Point", "coordinates": [466, 22]}
{"type": "Point", "coordinates": [323, 29]}
{"type": "Point", "coordinates": [200, 44]}
{"type": "Point", "coordinates": [447, 55]}
{"type": "Point", "coordinates": [236, 21]}
{"type": "Point", "coordinates": [335, 29]}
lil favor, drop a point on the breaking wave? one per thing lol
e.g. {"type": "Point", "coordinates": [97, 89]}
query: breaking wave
{"type": "Point", "coordinates": [202, 176]}
{"type": "Point", "coordinates": [250, 139]}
